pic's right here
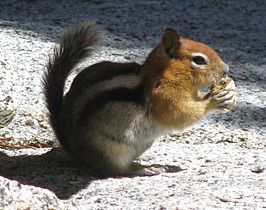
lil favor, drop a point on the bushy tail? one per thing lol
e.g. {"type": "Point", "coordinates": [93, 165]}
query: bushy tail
{"type": "Point", "coordinates": [76, 44]}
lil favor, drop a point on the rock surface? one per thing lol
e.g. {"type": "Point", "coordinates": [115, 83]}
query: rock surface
{"type": "Point", "coordinates": [224, 156]}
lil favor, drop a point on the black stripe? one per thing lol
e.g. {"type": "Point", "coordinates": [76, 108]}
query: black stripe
{"type": "Point", "coordinates": [98, 73]}
{"type": "Point", "coordinates": [121, 94]}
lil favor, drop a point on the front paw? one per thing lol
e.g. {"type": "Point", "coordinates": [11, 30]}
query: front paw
{"type": "Point", "coordinates": [225, 100]}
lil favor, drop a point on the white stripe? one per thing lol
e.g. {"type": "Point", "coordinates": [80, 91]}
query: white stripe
{"type": "Point", "coordinates": [129, 81]}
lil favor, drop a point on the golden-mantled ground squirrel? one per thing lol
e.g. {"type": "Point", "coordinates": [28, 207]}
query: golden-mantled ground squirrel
{"type": "Point", "coordinates": [113, 112]}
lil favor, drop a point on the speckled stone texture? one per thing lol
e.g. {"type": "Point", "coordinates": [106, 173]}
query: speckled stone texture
{"type": "Point", "coordinates": [224, 156]}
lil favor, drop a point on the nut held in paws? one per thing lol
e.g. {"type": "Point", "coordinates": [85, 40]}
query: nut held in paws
{"type": "Point", "coordinates": [220, 85]}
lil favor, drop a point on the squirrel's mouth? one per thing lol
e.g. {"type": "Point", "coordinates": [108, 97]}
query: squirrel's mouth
{"type": "Point", "coordinates": [220, 76]}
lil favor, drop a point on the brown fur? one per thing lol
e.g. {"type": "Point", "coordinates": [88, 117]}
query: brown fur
{"type": "Point", "coordinates": [113, 111]}
{"type": "Point", "coordinates": [174, 83]}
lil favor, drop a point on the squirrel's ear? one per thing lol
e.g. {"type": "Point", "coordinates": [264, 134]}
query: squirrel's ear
{"type": "Point", "coordinates": [171, 42]}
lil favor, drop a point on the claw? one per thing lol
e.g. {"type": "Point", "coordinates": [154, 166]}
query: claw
{"type": "Point", "coordinates": [225, 95]}
{"type": "Point", "coordinates": [221, 94]}
{"type": "Point", "coordinates": [231, 86]}
{"type": "Point", "coordinates": [227, 104]}
{"type": "Point", "coordinates": [225, 110]}
{"type": "Point", "coordinates": [230, 101]}
{"type": "Point", "coordinates": [226, 99]}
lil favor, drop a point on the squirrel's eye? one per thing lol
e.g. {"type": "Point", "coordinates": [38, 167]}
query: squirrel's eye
{"type": "Point", "coordinates": [199, 60]}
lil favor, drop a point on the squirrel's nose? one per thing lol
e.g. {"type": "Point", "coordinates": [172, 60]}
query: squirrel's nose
{"type": "Point", "coordinates": [226, 68]}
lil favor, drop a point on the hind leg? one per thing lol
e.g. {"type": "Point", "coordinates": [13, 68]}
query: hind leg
{"type": "Point", "coordinates": [138, 169]}
{"type": "Point", "coordinates": [119, 161]}
{"type": "Point", "coordinates": [109, 157]}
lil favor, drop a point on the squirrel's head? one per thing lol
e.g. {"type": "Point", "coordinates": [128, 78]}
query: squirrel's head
{"type": "Point", "coordinates": [182, 60]}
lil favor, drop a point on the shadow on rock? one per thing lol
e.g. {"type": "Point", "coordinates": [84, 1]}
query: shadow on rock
{"type": "Point", "coordinates": [244, 116]}
{"type": "Point", "coordinates": [56, 172]}
{"type": "Point", "coordinates": [230, 26]}
{"type": "Point", "coordinates": [53, 171]}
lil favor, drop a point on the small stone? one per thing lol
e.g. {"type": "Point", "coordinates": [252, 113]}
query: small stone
{"type": "Point", "coordinates": [99, 200]}
{"type": "Point", "coordinates": [257, 169]}
{"type": "Point", "coordinates": [6, 116]}
{"type": "Point", "coordinates": [29, 122]}
{"type": "Point", "coordinates": [127, 57]}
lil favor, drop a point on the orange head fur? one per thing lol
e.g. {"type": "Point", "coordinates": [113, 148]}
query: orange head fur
{"type": "Point", "coordinates": [176, 69]}
{"type": "Point", "coordinates": [177, 60]}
